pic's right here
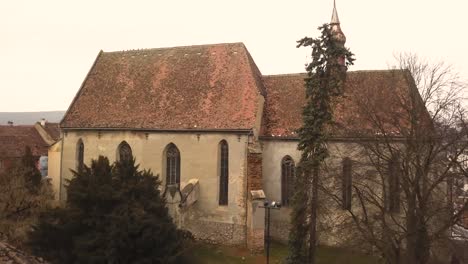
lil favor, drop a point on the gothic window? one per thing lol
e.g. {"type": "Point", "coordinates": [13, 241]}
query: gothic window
{"type": "Point", "coordinates": [347, 182]}
{"type": "Point", "coordinates": [172, 165]}
{"type": "Point", "coordinates": [450, 186]}
{"type": "Point", "coordinates": [287, 177]}
{"type": "Point", "coordinates": [124, 152]}
{"type": "Point", "coordinates": [80, 155]}
{"type": "Point", "coordinates": [223, 172]}
{"type": "Point", "coordinates": [393, 189]}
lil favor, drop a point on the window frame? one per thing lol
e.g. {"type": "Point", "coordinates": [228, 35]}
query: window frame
{"type": "Point", "coordinates": [124, 152]}
{"type": "Point", "coordinates": [347, 183]}
{"type": "Point", "coordinates": [79, 155]}
{"type": "Point", "coordinates": [223, 198]}
{"type": "Point", "coordinates": [172, 162]}
{"type": "Point", "coordinates": [393, 200]}
{"type": "Point", "coordinates": [288, 172]}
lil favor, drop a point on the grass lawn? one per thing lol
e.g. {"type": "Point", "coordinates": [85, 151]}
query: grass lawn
{"type": "Point", "coordinates": [211, 254]}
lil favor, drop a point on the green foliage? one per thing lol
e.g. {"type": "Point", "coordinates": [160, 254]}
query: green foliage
{"type": "Point", "coordinates": [114, 214]}
{"type": "Point", "coordinates": [299, 228]}
{"type": "Point", "coordinates": [325, 77]}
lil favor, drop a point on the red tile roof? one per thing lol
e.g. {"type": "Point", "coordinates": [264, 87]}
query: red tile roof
{"type": "Point", "coordinates": [14, 139]}
{"type": "Point", "coordinates": [380, 92]}
{"type": "Point", "coordinates": [194, 87]}
{"type": "Point", "coordinates": [53, 130]}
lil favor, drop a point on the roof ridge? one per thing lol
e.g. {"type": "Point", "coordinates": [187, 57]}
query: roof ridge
{"type": "Point", "coordinates": [284, 74]}
{"type": "Point", "coordinates": [303, 73]}
{"type": "Point", "coordinates": [175, 47]}
{"type": "Point", "coordinates": [381, 70]}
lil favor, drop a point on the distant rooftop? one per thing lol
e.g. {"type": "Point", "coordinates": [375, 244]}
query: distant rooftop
{"type": "Point", "coordinates": [30, 118]}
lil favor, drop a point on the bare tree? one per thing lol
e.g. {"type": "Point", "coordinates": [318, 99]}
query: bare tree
{"type": "Point", "coordinates": [21, 200]}
{"type": "Point", "coordinates": [410, 148]}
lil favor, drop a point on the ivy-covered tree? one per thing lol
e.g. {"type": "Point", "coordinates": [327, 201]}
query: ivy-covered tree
{"type": "Point", "coordinates": [325, 77]}
{"type": "Point", "coordinates": [114, 214]}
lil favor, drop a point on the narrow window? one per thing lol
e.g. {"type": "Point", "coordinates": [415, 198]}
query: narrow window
{"type": "Point", "coordinates": [450, 186]}
{"type": "Point", "coordinates": [172, 165]}
{"type": "Point", "coordinates": [347, 182]}
{"type": "Point", "coordinates": [393, 201]}
{"type": "Point", "coordinates": [80, 156]}
{"type": "Point", "coordinates": [287, 176]}
{"type": "Point", "coordinates": [124, 152]}
{"type": "Point", "coordinates": [223, 172]}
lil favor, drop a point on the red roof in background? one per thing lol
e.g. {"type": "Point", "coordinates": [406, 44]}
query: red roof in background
{"type": "Point", "coordinates": [194, 87]}
{"type": "Point", "coordinates": [53, 130]}
{"type": "Point", "coordinates": [381, 92]}
{"type": "Point", "coordinates": [14, 139]}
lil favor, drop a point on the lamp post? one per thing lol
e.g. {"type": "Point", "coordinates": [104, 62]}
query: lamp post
{"type": "Point", "coordinates": [268, 206]}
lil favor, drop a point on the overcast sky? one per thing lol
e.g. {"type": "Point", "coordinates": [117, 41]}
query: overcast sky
{"type": "Point", "coordinates": [47, 47]}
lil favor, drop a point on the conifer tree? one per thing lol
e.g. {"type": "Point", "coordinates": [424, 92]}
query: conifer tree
{"type": "Point", "coordinates": [114, 214]}
{"type": "Point", "coordinates": [325, 77]}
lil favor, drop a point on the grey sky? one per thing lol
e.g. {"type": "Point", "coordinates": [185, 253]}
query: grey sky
{"type": "Point", "coordinates": [47, 46]}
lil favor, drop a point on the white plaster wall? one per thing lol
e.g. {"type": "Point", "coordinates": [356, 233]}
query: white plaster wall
{"type": "Point", "coordinates": [54, 155]}
{"type": "Point", "coordinates": [199, 159]}
{"type": "Point", "coordinates": [273, 152]}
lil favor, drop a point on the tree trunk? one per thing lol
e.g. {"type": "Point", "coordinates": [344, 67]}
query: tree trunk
{"type": "Point", "coordinates": [422, 252]}
{"type": "Point", "coordinates": [418, 244]}
{"type": "Point", "coordinates": [313, 216]}
{"type": "Point", "coordinates": [418, 238]}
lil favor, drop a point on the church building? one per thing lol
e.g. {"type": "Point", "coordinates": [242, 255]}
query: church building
{"type": "Point", "coordinates": [220, 134]}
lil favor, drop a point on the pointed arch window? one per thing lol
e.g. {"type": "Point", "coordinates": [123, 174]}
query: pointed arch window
{"type": "Point", "coordinates": [347, 182]}
{"type": "Point", "coordinates": [80, 155]}
{"type": "Point", "coordinates": [288, 170]}
{"type": "Point", "coordinates": [223, 172]}
{"type": "Point", "coordinates": [124, 152]}
{"type": "Point", "coordinates": [172, 165]}
{"type": "Point", "coordinates": [393, 189]}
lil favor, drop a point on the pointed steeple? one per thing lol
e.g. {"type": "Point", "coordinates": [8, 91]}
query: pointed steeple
{"type": "Point", "coordinates": [334, 19]}
{"type": "Point", "coordinates": [338, 34]}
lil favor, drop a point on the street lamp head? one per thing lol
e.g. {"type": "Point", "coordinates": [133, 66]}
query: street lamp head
{"type": "Point", "coordinates": [265, 203]}
{"type": "Point", "coordinates": [275, 204]}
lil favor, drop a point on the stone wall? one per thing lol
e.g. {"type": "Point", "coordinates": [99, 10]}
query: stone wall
{"type": "Point", "coordinates": [199, 153]}
{"type": "Point", "coordinates": [254, 171]}
{"type": "Point", "coordinates": [273, 153]}
{"type": "Point", "coordinates": [280, 224]}
{"type": "Point", "coordinates": [217, 232]}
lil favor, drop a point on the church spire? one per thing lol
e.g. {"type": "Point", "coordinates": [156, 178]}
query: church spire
{"type": "Point", "coordinates": [336, 31]}
{"type": "Point", "coordinates": [334, 19]}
